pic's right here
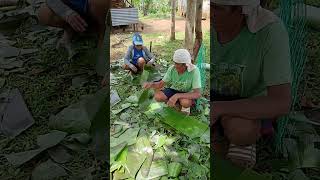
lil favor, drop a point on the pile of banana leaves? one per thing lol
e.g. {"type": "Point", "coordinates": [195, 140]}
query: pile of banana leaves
{"type": "Point", "coordinates": [149, 140]}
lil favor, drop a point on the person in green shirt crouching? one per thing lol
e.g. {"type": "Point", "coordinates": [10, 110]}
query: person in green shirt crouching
{"type": "Point", "coordinates": [250, 85]}
{"type": "Point", "coordinates": [181, 84]}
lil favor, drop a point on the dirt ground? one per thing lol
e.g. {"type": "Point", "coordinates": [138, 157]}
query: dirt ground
{"type": "Point", "coordinates": [120, 39]}
{"type": "Point", "coordinates": [164, 25]}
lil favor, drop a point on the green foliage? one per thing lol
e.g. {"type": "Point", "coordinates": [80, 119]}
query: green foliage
{"type": "Point", "coordinates": [161, 7]}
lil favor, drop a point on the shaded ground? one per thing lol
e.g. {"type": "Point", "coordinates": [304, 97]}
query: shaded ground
{"type": "Point", "coordinates": [164, 25]}
{"type": "Point", "coordinates": [45, 82]}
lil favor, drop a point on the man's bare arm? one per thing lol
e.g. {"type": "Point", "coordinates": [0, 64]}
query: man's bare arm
{"type": "Point", "coordinates": [275, 104]}
{"type": "Point", "coordinates": [154, 85]}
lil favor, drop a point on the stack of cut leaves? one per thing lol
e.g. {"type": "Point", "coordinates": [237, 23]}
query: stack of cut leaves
{"type": "Point", "coordinates": [143, 156]}
{"type": "Point", "coordinates": [300, 156]}
{"type": "Point", "coordinates": [151, 141]}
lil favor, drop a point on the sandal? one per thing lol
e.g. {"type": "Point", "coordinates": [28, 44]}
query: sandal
{"type": "Point", "coordinates": [243, 156]}
{"type": "Point", "coordinates": [185, 110]}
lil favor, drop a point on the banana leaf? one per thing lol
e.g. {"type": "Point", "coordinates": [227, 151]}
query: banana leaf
{"type": "Point", "coordinates": [161, 140]}
{"type": "Point", "coordinates": [157, 170]}
{"type": "Point", "coordinates": [116, 150]}
{"type": "Point", "coordinates": [129, 136]}
{"type": "Point", "coordinates": [120, 160]}
{"type": "Point", "coordinates": [143, 146]}
{"type": "Point", "coordinates": [298, 175]}
{"type": "Point", "coordinates": [48, 170]}
{"type": "Point", "coordinates": [144, 96]}
{"type": "Point", "coordinates": [145, 99]}
{"type": "Point", "coordinates": [44, 141]}
{"type": "Point", "coordinates": [144, 77]}
{"type": "Point", "coordinates": [134, 162]}
{"type": "Point", "coordinates": [187, 125]}
{"type": "Point", "coordinates": [59, 154]}
{"type": "Point", "coordinates": [174, 169]}
{"type": "Point", "coordinates": [123, 107]}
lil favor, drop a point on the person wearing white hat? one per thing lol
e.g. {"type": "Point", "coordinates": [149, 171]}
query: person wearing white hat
{"type": "Point", "coordinates": [182, 81]}
{"type": "Point", "coordinates": [251, 77]}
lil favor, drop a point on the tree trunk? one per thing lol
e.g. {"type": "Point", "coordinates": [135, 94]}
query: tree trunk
{"type": "Point", "coordinates": [198, 29]}
{"type": "Point", "coordinates": [173, 20]}
{"type": "Point", "coordinates": [144, 8]}
{"type": "Point", "coordinates": [189, 29]}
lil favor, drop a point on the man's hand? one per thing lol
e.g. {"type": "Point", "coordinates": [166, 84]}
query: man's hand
{"type": "Point", "coordinates": [133, 68]}
{"type": "Point", "coordinates": [173, 100]}
{"type": "Point", "coordinates": [150, 63]}
{"type": "Point", "coordinates": [147, 85]}
{"type": "Point", "coordinates": [76, 22]}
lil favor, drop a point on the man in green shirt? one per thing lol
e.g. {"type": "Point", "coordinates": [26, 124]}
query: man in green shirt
{"type": "Point", "coordinates": [251, 76]}
{"type": "Point", "coordinates": [182, 81]}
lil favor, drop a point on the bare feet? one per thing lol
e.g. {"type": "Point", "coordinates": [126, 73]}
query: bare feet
{"type": "Point", "coordinates": [65, 42]}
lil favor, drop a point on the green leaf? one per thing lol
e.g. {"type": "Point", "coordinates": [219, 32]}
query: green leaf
{"type": "Point", "coordinates": [206, 136]}
{"type": "Point", "coordinates": [170, 140]}
{"type": "Point", "coordinates": [174, 169]}
{"type": "Point", "coordinates": [44, 141]}
{"type": "Point", "coordinates": [129, 136]}
{"type": "Point", "coordinates": [144, 97]}
{"type": "Point", "coordinates": [125, 116]}
{"type": "Point", "coordinates": [298, 175]}
{"type": "Point", "coordinates": [121, 160]}
{"type": "Point", "coordinates": [197, 171]}
{"type": "Point", "coordinates": [77, 118]}
{"type": "Point", "coordinates": [134, 162]}
{"type": "Point", "coordinates": [160, 141]}
{"type": "Point", "coordinates": [144, 77]}
{"type": "Point", "coordinates": [185, 124]}
{"type": "Point", "coordinates": [300, 117]}
{"type": "Point", "coordinates": [115, 151]}
{"type": "Point", "coordinates": [293, 153]}
{"type": "Point", "coordinates": [48, 170]}
{"type": "Point", "coordinates": [310, 158]}
{"type": "Point", "coordinates": [143, 146]}
{"type": "Point", "coordinates": [20, 158]}
{"type": "Point", "coordinates": [158, 169]}
{"type": "Point", "coordinates": [159, 154]}
{"type": "Point", "coordinates": [132, 99]}
{"type": "Point", "coordinates": [302, 155]}
{"type": "Point", "coordinates": [50, 139]}
{"type": "Point", "coordinates": [59, 154]}
{"type": "Point", "coordinates": [121, 175]}
{"type": "Point", "coordinates": [123, 107]}
{"type": "Point", "coordinates": [83, 138]}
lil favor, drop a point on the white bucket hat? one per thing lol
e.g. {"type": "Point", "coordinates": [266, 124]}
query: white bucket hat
{"type": "Point", "coordinates": [256, 16]}
{"type": "Point", "coordinates": [183, 56]}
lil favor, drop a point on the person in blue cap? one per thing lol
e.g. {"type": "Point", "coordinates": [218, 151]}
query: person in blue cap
{"type": "Point", "coordinates": [137, 55]}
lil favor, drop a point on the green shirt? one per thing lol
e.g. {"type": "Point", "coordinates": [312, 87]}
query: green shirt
{"type": "Point", "coordinates": [247, 65]}
{"type": "Point", "coordinates": [185, 82]}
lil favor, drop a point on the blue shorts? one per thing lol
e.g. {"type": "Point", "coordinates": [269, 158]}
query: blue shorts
{"type": "Point", "coordinates": [170, 92]}
{"type": "Point", "coordinates": [80, 6]}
